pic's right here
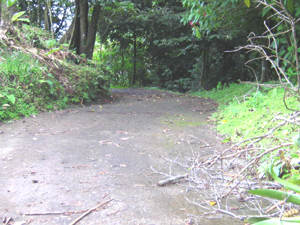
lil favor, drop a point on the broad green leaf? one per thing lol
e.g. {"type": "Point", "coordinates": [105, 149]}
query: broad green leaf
{"type": "Point", "coordinates": [17, 15]}
{"type": "Point", "coordinates": [247, 2]}
{"type": "Point", "coordinates": [265, 11]}
{"type": "Point", "coordinates": [225, 2]}
{"type": "Point", "coordinates": [24, 20]}
{"type": "Point", "coordinates": [198, 34]}
{"type": "Point", "coordinates": [284, 183]}
{"type": "Point", "coordinates": [11, 98]}
{"type": "Point", "coordinates": [279, 195]}
{"type": "Point", "coordinates": [10, 3]}
{"type": "Point", "coordinates": [277, 221]}
{"type": "Point", "coordinates": [51, 51]}
{"type": "Point", "coordinates": [297, 12]}
{"type": "Point", "coordinates": [253, 220]}
{"type": "Point", "coordinates": [297, 182]}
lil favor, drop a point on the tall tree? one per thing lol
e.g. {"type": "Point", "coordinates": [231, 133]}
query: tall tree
{"type": "Point", "coordinates": [84, 31]}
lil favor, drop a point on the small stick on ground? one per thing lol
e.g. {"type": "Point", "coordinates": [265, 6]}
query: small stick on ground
{"type": "Point", "coordinates": [172, 179]}
{"type": "Point", "coordinates": [89, 211]}
{"type": "Point", "coordinates": [53, 213]}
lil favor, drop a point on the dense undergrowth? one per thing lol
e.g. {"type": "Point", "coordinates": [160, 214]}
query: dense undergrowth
{"type": "Point", "coordinates": [247, 111]}
{"type": "Point", "coordinates": [36, 74]}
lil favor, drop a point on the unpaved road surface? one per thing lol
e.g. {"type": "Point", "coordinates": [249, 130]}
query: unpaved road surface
{"type": "Point", "coordinates": [56, 166]}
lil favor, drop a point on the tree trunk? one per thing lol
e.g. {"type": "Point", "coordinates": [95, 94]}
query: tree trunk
{"type": "Point", "coordinates": [46, 18]}
{"type": "Point", "coordinates": [66, 38]}
{"type": "Point", "coordinates": [29, 11]}
{"type": "Point", "coordinates": [62, 21]}
{"type": "Point", "coordinates": [38, 14]}
{"type": "Point", "coordinates": [203, 73]}
{"type": "Point", "coordinates": [50, 17]}
{"type": "Point", "coordinates": [134, 58]}
{"type": "Point", "coordinates": [84, 34]}
{"type": "Point", "coordinates": [264, 71]}
{"type": "Point", "coordinates": [0, 12]}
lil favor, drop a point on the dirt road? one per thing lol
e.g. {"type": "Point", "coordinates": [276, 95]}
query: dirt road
{"type": "Point", "coordinates": [56, 166]}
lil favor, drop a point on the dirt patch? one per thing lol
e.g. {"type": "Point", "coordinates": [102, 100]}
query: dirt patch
{"type": "Point", "coordinates": [55, 166]}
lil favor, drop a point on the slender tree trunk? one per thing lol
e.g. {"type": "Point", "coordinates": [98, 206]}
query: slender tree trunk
{"type": "Point", "coordinates": [203, 73]}
{"type": "Point", "coordinates": [46, 18]}
{"type": "Point", "coordinates": [38, 14]}
{"type": "Point", "coordinates": [264, 70]}
{"type": "Point", "coordinates": [0, 12]}
{"type": "Point", "coordinates": [92, 31]}
{"type": "Point", "coordinates": [62, 21]}
{"type": "Point", "coordinates": [134, 58]}
{"type": "Point", "coordinates": [29, 10]}
{"type": "Point", "coordinates": [50, 17]}
{"type": "Point", "coordinates": [68, 35]}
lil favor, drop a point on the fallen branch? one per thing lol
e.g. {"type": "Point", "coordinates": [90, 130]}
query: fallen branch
{"type": "Point", "coordinates": [257, 158]}
{"type": "Point", "coordinates": [172, 179]}
{"type": "Point", "coordinates": [89, 211]}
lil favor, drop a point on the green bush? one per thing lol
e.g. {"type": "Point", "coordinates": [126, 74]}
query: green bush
{"type": "Point", "coordinates": [27, 87]}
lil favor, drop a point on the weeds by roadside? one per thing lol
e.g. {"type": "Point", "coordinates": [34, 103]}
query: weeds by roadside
{"type": "Point", "coordinates": [36, 78]}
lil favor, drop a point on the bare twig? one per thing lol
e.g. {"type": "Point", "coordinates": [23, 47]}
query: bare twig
{"type": "Point", "coordinates": [53, 213]}
{"type": "Point", "coordinates": [89, 211]}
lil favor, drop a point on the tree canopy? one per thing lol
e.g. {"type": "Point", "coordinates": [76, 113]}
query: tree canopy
{"type": "Point", "coordinates": [178, 45]}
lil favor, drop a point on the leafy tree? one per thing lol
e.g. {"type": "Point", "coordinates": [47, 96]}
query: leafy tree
{"type": "Point", "coordinates": [123, 25]}
{"type": "Point", "coordinates": [220, 24]}
{"type": "Point", "coordinates": [53, 16]}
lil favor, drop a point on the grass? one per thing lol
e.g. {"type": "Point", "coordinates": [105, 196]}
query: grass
{"type": "Point", "coordinates": [244, 114]}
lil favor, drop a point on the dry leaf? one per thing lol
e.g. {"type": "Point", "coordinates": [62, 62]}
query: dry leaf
{"type": "Point", "coordinates": [212, 203]}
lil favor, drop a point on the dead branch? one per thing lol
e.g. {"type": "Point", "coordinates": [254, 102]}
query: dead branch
{"type": "Point", "coordinates": [172, 179]}
{"type": "Point", "coordinates": [289, 120]}
{"type": "Point", "coordinates": [255, 160]}
{"type": "Point", "coordinates": [89, 211]}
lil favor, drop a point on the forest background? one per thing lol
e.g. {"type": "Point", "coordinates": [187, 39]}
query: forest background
{"type": "Point", "coordinates": [243, 53]}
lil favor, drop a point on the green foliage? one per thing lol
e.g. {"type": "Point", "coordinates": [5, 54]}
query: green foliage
{"type": "Point", "coordinates": [9, 3]}
{"type": "Point", "coordinates": [17, 17]}
{"type": "Point", "coordinates": [115, 63]}
{"type": "Point", "coordinates": [279, 195]}
{"type": "Point", "coordinates": [243, 116]}
{"type": "Point", "coordinates": [26, 87]}
{"type": "Point", "coordinates": [88, 82]}
{"type": "Point", "coordinates": [37, 37]}
{"type": "Point", "coordinates": [204, 17]}
{"type": "Point", "coordinates": [225, 94]}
